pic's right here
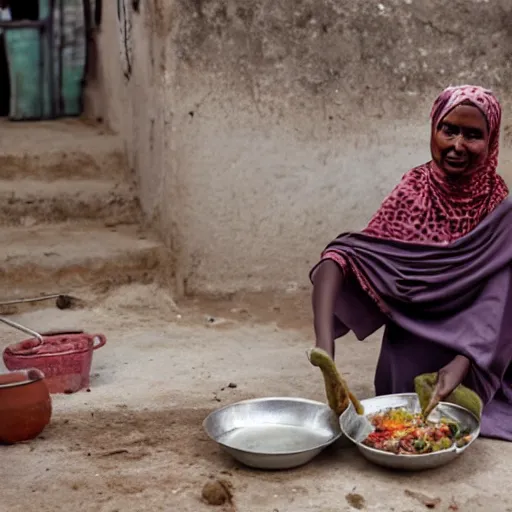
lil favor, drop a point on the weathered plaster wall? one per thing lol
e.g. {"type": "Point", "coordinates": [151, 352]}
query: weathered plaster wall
{"type": "Point", "coordinates": [261, 129]}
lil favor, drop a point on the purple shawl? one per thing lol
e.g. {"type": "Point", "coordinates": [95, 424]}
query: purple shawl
{"type": "Point", "coordinates": [442, 300]}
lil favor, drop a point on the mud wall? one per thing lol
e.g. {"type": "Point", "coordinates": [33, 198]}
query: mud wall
{"type": "Point", "coordinates": [261, 129]}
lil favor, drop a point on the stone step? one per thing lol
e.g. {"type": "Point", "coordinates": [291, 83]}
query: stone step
{"type": "Point", "coordinates": [28, 202]}
{"type": "Point", "coordinates": [59, 258]}
{"type": "Point", "coordinates": [68, 148]}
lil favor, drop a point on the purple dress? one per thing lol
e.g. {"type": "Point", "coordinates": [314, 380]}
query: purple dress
{"type": "Point", "coordinates": [440, 301]}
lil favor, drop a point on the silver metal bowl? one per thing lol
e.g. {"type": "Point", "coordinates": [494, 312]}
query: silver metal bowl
{"type": "Point", "coordinates": [357, 428]}
{"type": "Point", "coordinates": [273, 433]}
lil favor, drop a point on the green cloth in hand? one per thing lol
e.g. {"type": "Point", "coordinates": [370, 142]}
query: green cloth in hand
{"type": "Point", "coordinates": [425, 385]}
{"type": "Point", "coordinates": [338, 394]}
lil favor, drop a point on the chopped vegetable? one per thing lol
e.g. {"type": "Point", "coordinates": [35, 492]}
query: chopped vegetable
{"type": "Point", "coordinates": [401, 432]}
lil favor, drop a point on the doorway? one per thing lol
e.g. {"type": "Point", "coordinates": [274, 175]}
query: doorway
{"type": "Point", "coordinates": [12, 10]}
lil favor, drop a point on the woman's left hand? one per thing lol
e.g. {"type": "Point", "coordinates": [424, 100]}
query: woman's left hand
{"type": "Point", "coordinates": [448, 378]}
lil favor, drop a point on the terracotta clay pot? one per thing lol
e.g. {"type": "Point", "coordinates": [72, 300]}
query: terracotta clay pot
{"type": "Point", "coordinates": [25, 405]}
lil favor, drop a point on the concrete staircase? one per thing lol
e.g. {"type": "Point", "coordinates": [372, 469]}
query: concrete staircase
{"type": "Point", "coordinates": [69, 214]}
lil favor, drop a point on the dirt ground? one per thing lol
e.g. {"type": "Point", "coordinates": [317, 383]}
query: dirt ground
{"type": "Point", "coordinates": [135, 441]}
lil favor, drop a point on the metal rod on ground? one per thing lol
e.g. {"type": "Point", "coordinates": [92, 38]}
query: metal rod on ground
{"type": "Point", "coordinates": [62, 302]}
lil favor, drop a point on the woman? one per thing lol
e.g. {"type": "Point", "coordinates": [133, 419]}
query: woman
{"type": "Point", "coordinates": [434, 267]}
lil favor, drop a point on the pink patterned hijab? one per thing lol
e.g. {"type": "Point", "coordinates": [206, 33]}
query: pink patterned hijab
{"type": "Point", "coordinates": [429, 207]}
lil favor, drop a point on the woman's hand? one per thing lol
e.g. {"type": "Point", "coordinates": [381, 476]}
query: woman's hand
{"type": "Point", "coordinates": [448, 378]}
{"type": "Point", "coordinates": [451, 376]}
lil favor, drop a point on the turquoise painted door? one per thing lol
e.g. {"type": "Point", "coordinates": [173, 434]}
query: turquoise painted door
{"type": "Point", "coordinates": [26, 73]}
{"type": "Point", "coordinates": [70, 33]}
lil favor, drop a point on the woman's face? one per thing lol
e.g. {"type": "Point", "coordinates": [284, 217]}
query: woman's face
{"type": "Point", "coordinates": [460, 141]}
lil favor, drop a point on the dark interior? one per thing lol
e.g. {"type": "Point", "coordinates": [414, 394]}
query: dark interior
{"type": "Point", "coordinates": [20, 10]}
{"type": "Point", "coordinates": [24, 9]}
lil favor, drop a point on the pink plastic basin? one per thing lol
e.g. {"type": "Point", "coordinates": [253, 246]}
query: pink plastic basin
{"type": "Point", "coordinates": [65, 359]}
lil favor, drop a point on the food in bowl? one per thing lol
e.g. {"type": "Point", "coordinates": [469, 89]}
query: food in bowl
{"type": "Point", "coordinates": [402, 432]}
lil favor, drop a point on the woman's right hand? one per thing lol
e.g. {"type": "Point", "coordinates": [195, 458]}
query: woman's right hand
{"type": "Point", "coordinates": [327, 281]}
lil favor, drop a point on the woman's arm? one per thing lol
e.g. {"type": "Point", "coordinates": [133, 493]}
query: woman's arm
{"type": "Point", "coordinates": [327, 279]}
